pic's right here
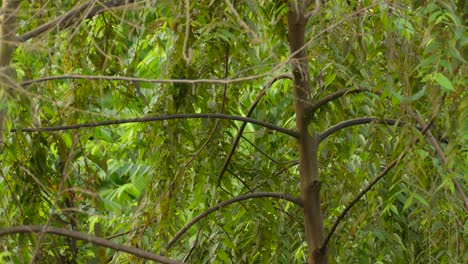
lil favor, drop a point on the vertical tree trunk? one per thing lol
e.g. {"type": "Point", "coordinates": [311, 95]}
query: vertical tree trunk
{"type": "Point", "coordinates": [308, 162]}
{"type": "Point", "coordinates": [7, 47]}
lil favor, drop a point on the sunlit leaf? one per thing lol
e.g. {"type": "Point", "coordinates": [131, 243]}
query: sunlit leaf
{"type": "Point", "coordinates": [443, 81]}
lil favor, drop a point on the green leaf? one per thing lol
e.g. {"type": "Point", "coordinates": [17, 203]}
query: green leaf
{"type": "Point", "coordinates": [421, 199]}
{"type": "Point", "coordinates": [223, 256]}
{"type": "Point", "coordinates": [444, 82]}
{"type": "Point", "coordinates": [408, 202]}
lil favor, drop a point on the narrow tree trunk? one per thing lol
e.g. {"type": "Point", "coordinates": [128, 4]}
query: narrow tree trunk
{"type": "Point", "coordinates": [308, 162]}
{"type": "Point", "coordinates": [7, 47]}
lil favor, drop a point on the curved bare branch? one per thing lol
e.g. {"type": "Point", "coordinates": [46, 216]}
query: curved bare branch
{"type": "Point", "coordinates": [159, 118]}
{"type": "Point", "coordinates": [220, 205]}
{"type": "Point", "coordinates": [358, 121]}
{"type": "Point", "coordinates": [88, 238]}
{"type": "Point", "coordinates": [360, 195]}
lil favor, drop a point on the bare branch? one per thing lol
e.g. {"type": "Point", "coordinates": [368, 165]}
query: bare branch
{"type": "Point", "coordinates": [359, 196]}
{"type": "Point", "coordinates": [242, 127]}
{"type": "Point", "coordinates": [88, 238]}
{"type": "Point", "coordinates": [68, 19]}
{"type": "Point", "coordinates": [158, 118]}
{"type": "Point", "coordinates": [358, 121]}
{"type": "Point", "coordinates": [136, 79]}
{"type": "Point", "coordinates": [220, 205]}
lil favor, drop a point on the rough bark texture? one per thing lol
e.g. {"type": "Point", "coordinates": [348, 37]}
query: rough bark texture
{"type": "Point", "coordinates": [308, 162]}
{"type": "Point", "coordinates": [7, 47]}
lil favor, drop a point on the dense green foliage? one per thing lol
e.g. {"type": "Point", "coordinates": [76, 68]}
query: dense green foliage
{"type": "Point", "coordinates": [139, 183]}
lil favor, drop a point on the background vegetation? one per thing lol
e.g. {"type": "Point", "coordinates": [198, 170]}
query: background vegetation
{"type": "Point", "coordinates": [97, 142]}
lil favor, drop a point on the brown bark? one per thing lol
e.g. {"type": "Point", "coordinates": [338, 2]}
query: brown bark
{"type": "Point", "coordinates": [308, 142]}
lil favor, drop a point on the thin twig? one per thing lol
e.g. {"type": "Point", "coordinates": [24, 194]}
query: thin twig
{"type": "Point", "coordinates": [192, 248]}
{"type": "Point", "coordinates": [265, 154]}
{"type": "Point", "coordinates": [136, 79]}
{"type": "Point", "coordinates": [228, 202]}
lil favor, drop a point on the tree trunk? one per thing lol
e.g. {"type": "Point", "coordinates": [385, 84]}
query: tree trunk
{"type": "Point", "coordinates": [308, 142]}
{"type": "Point", "coordinates": [7, 47]}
